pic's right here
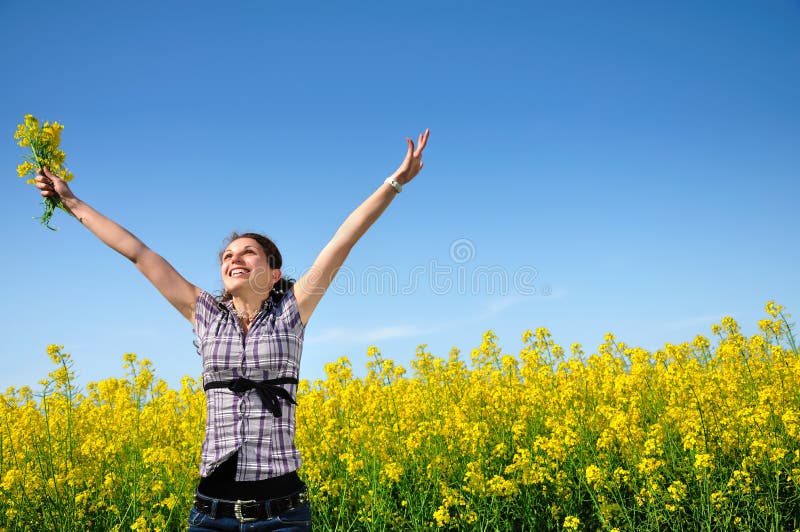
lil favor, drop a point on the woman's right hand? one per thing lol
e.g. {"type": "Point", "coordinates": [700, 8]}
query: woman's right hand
{"type": "Point", "coordinates": [51, 185]}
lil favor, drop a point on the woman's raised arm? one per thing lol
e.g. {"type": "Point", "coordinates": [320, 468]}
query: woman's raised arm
{"type": "Point", "coordinates": [312, 285]}
{"type": "Point", "coordinates": [178, 291]}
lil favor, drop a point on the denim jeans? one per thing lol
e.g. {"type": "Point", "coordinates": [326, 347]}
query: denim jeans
{"type": "Point", "coordinates": [298, 519]}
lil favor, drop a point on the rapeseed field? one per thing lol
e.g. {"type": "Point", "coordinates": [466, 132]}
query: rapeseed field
{"type": "Point", "coordinates": [697, 436]}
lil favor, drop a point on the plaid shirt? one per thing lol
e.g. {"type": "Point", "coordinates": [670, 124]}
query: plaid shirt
{"type": "Point", "coordinates": [271, 349]}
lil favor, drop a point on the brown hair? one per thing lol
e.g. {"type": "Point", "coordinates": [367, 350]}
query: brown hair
{"type": "Point", "coordinates": [274, 259]}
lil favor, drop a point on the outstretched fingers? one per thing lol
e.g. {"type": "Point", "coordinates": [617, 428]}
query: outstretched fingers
{"type": "Point", "coordinates": [422, 142]}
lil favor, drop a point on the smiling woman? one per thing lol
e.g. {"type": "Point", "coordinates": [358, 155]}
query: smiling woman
{"type": "Point", "coordinates": [251, 342]}
{"type": "Point", "coordinates": [253, 260]}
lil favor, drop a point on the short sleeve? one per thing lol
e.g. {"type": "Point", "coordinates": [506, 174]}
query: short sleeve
{"type": "Point", "coordinates": [289, 312]}
{"type": "Point", "coordinates": [204, 311]}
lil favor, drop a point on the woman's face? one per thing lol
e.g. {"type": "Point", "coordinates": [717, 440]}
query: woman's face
{"type": "Point", "coordinates": [245, 268]}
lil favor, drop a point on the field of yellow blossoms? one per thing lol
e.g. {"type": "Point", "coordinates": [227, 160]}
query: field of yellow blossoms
{"type": "Point", "coordinates": [697, 436]}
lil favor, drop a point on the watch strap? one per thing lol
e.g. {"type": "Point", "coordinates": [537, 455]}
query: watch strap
{"type": "Point", "coordinates": [394, 184]}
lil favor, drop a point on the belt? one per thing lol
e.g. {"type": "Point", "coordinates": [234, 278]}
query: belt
{"type": "Point", "coordinates": [267, 390]}
{"type": "Point", "coordinates": [248, 511]}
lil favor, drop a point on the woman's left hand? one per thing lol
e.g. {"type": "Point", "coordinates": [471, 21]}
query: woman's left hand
{"type": "Point", "coordinates": [413, 161]}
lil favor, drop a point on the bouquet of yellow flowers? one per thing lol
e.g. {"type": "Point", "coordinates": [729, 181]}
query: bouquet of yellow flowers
{"type": "Point", "coordinates": [44, 144]}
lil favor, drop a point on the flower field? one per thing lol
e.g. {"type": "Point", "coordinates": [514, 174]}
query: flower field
{"type": "Point", "coordinates": [697, 436]}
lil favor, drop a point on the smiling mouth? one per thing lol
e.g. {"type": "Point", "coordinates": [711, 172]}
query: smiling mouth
{"type": "Point", "coordinates": [238, 272]}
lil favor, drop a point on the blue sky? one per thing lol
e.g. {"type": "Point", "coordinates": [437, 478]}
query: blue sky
{"type": "Point", "coordinates": [618, 166]}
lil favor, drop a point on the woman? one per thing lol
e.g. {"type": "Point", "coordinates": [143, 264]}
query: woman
{"type": "Point", "coordinates": [250, 341]}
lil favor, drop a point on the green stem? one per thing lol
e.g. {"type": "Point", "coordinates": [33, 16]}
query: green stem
{"type": "Point", "coordinates": [789, 333]}
{"type": "Point", "coordinates": [50, 202]}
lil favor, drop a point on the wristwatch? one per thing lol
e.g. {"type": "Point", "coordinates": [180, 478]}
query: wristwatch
{"type": "Point", "coordinates": [395, 185]}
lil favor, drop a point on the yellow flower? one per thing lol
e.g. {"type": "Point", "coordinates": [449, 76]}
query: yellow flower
{"type": "Point", "coordinates": [773, 309]}
{"type": "Point", "coordinates": [44, 147]}
{"type": "Point", "coordinates": [140, 525]}
{"type": "Point", "coordinates": [703, 461]}
{"type": "Point", "coordinates": [392, 471]}
{"type": "Point", "coordinates": [730, 325]}
{"type": "Point", "coordinates": [593, 475]}
{"type": "Point", "coordinates": [501, 487]}
{"type": "Point", "coordinates": [25, 168]}
{"type": "Point", "coordinates": [31, 122]}
{"type": "Point", "coordinates": [53, 351]}
{"type": "Point", "coordinates": [677, 491]}
{"type": "Point", "coordinates": [441, 516]}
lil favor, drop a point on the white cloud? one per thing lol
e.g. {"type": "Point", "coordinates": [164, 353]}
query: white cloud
{"type": "Point", "coordinates": [499, 304]}
{"type": "Point", "coordinates": [347, 334]}
{"type": "Point", "coordinates": [364, 335]}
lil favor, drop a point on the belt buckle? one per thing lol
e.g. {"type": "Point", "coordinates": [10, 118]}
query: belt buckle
{"type": "Point", "coordinates": [302, 497]}
{"type": "Point", "coordinates": [237, 511]}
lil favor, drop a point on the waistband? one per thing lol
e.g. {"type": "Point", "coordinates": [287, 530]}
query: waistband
{"type": "Point", "coordinates": [247, 511]}
{"type": "Point", "coordinates": [222, 484]}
